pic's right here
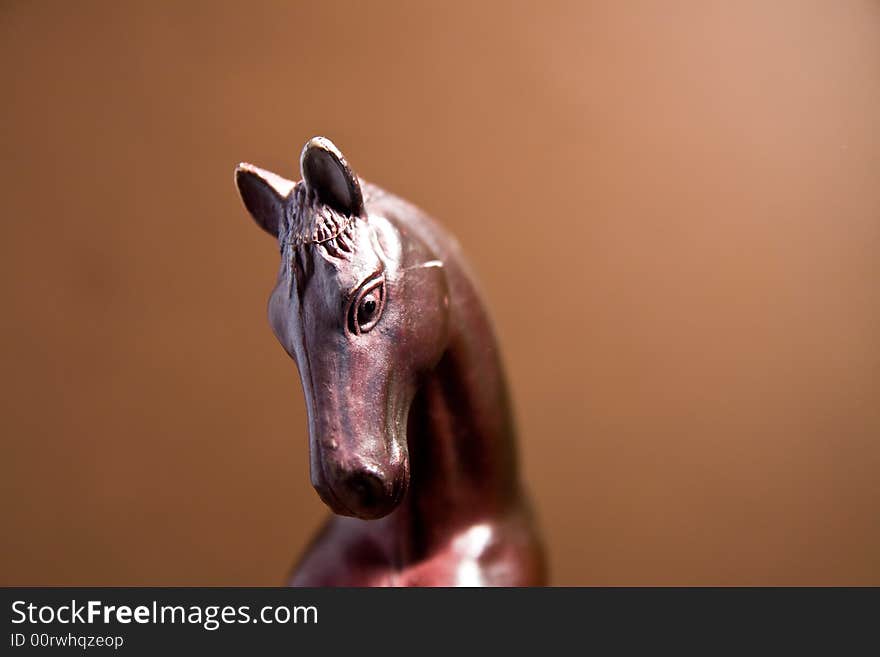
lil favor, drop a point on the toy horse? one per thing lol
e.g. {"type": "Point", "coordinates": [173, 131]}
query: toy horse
{"type": "Point", "coordinates": [410, 431]}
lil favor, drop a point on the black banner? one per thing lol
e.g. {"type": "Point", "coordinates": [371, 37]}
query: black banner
{"type": "Point", "coordinates": [149, 621]}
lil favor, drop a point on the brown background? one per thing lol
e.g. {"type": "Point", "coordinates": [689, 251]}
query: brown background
{"type": "Point", "coordinates": [674, 208]}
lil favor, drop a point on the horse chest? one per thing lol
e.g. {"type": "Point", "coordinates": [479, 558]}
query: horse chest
{"type": "Point", "coordinates": [481, 555]}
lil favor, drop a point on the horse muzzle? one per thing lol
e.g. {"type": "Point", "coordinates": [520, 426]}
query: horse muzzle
{"type": "Point", "coordinates": [361, 491]}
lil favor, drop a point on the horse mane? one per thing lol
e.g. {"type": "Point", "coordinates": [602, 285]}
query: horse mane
{"type": "Point", "coordinates": [309, 223]}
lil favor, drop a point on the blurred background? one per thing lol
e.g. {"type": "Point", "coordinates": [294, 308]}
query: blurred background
{"type": "Point", "coordinates": [674, 208]}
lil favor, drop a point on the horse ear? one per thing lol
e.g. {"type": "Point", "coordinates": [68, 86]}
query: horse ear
{"type": "Point", "coordinates": [264, 194]}
{"type": "Point", "coordinates": [325, 171]}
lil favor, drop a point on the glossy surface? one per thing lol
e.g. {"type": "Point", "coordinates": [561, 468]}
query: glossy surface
{"type": "Point", "coordinates": [412, 442]}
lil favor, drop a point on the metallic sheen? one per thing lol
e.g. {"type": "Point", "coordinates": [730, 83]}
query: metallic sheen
{"type": "Point", "coordinates": [411, 436]}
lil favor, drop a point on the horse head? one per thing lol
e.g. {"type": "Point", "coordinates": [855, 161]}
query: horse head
{"type": "Point", "coordinates": [361, 305]}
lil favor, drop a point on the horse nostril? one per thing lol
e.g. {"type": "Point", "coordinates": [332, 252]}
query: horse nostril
{"type": "Point", "coordinates": [366, 488]}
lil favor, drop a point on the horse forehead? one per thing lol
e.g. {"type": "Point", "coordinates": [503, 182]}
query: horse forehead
{"type": "Point", "coordinates": [337, 277]}
{"type": "Point", "coordinates": [340, 277]}
{"type": "Point", "coordinates": [363, 260]}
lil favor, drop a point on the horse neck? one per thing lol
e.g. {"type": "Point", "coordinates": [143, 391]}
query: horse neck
{"type": "Point", "coordinates": [460, 430]}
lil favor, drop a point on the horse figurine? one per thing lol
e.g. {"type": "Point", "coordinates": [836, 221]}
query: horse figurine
{"type": "Point", "coordinates": [410, 431]}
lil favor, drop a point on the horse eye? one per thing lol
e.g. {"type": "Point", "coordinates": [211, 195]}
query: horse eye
{"type": "Point", "coordinates": [367, 309]}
